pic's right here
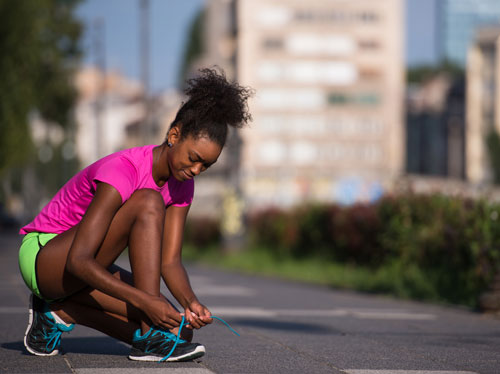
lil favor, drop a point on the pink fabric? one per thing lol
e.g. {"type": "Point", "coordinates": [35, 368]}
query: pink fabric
{"type": "Point", "coordinates": [127, 171]}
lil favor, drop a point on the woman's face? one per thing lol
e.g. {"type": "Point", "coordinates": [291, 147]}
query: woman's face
{"type": "Point", "coordinates": [190, 156]}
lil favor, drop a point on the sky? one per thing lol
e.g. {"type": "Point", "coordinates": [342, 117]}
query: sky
{"type": "Point", "coordinates": [170, 22]}
{"type": "Point", "coordinates": [420, 31]}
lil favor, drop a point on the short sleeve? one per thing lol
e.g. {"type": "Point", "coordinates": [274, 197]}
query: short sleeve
{"type": "Point", "coordinates": [183, 195]}
{"type": "Point", "coordinates": [119, 173]}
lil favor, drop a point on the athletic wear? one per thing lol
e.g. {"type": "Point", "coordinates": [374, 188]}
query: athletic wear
{"type": "Point", "coordinates": [31, 245]}
{"type": "Point", "coordinates": [43, 335]}
{"type": "Point", "coordinates": [127, 171]}
{"type": "Point", "coordinates": [160, 345]}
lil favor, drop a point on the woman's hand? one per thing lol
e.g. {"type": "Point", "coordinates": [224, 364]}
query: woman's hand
{"type": "Point", "coordinates": [198, 315]}
{"type": "Point", "coordinates": [161, 313]}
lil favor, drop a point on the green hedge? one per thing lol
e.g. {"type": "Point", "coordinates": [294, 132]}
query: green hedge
{"type": "Point", "coordinates": [444, 248]}
{"type": "Point", "coordinates": [419, 246]}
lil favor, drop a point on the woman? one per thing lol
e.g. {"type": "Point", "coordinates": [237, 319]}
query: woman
{"type": "Point", "coordinates": [137, 198]}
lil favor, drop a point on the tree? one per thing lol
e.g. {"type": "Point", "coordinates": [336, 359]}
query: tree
{"type": "Point", "coordinates": [493, 147]}
{"type": "Point", "coordinates": [39, 40]}
{"type": "Point", "coordinates": [194, 46]}
{"type": "Point", "coordinates": [420, 74]}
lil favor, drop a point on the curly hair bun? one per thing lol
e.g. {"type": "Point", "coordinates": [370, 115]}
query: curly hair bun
{"type": "Point", "coordinates": [219, 100]}
{"type": "Point", "coordinates": [213, 105]}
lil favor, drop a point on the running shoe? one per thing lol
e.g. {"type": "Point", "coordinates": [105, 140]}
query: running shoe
{"type": "Point", "coordinates": [43, 335]}
{"type": "Point", "coordinates": [160, 345]}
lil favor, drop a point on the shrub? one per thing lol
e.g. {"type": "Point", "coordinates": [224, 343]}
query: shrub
{"type": "Point", "coordinates": [273, 228]}
{"type": "Point", "coordinates": [354, 235]}
{"type": "Point", "coordinates": [447, 248]}
{"type": "Point", "coordinates": [202, 232]}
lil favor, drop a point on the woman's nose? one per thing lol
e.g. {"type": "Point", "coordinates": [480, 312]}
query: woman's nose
{"type": "Point", "coordinates": [196, 169]}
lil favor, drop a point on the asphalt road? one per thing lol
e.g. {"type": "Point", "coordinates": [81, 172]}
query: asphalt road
{"type": "Point", "coordinates": [285, 327]}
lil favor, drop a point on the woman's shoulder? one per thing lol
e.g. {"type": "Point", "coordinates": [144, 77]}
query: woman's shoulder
{"type": "Point", "coordinates": [137, 157]}
{"type": "Point", "coordinates": [137, 154]}
{"type": "Point", "coordinates": [127, 162]}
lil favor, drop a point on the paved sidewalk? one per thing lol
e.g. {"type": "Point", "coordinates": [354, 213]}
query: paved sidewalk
{"type": "Point", "coordinates": [285, 327]}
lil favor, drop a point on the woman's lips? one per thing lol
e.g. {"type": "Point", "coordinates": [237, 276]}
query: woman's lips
{"type": "Point", "coordinates": [188, 176]}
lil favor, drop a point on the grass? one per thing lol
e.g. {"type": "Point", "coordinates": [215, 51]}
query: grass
{"type": "Point", "coordinates": [391, 279]}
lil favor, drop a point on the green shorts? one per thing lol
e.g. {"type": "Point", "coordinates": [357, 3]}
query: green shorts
{"type": "Point", "coordinates": [31, 245]}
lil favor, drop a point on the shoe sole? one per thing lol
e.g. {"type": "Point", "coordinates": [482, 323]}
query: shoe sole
{"type": "Point", "coordinates": [198, 352]}
{"type": "Point", "coordinates": [30, 323]}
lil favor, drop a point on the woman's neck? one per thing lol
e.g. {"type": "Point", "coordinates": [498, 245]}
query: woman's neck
{"type": "Point", "coordinates": [160, 168]}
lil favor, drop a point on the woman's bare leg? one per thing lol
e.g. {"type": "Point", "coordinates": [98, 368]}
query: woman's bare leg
{"type": "Point", "coordinates": [116, 326]}
{"type": "Point", "coordinates": [138, 224]}
{"type": "Point", "coordinates": [87, 306]}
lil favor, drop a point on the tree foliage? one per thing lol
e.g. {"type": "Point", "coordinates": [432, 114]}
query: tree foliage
{"type": "Point", "coordinates": [420, 74]}
{"type": "Point", "coordinates": [432, 246]}
{"type": "Point", "coordinates": [194, 46]}
{"type": "Point", "coordinates": [493, 147]}
{"type": "Point", "coordinates": [39, 40]}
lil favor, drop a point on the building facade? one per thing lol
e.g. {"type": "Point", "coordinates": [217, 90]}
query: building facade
{"type": "Point", "coordinates": [107, 104]}
{"type": "Point", "coordinates": [457, 22]}
{"type": "Point", "coordinates": [111, 114]}
{"type": "Point", "coordinates": [328, 111]}
{"type": "Point", "coordinates": [435, 119]}
{"type": "Point", "coordinates": [483, 102]}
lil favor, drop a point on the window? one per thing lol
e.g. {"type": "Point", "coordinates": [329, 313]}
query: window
{"type": "Point", "coordinates": [336, 98]}
{"type": "Point", "coordinates": [272, 44]}
{"type": "Point", "coordinates": [334, 73]}
{"type": "Point", "coordinates": [369, 44]}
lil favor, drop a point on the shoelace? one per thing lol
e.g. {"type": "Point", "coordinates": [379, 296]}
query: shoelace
{"type": "Point", "coordinates": [183, 323]}
{"type": "Point", "coordinates": [54, 339]}
{"type": "Point", "coordinates": [54, 334]}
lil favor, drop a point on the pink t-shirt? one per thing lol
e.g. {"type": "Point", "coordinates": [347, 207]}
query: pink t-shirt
{"type": "Point", "coordinates": [127, 171]}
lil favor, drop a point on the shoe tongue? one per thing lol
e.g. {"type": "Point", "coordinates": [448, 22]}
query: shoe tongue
{"type": "Point", "coordinates": [65, 328]}
{"type": "Point", "coordinates": [173, 337]}
{"type": "Point", "coordinates": [49, 316]}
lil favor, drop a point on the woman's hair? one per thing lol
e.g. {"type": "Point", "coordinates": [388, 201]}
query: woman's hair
{"type": "Point", "coordinates": [213, 105]}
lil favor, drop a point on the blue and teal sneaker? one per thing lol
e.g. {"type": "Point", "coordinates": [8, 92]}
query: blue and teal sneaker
{"type": "Point", "coordinates": [43, 335]}
{"type": "Point", "coordinates": [160, 345]}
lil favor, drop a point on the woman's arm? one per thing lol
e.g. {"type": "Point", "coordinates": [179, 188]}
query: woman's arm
{"type": "Point", "coordinates": [173, 272]}
{"type": "Point", "coordinates": [81, 260]}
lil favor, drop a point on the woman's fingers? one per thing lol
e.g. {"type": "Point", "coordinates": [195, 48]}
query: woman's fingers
{"type": "Point", "coordinates": [206, 319]}
{"type": "Point", "coordinates": [173, 320]}
{"type": "Point", "coordinates": [195, 323]}
{"type": "Point", "coordinates": [166, 326]}
{"type": "Point", "coordinates": [200, 317]}
{"type": "Point", "coordinates": [169, 323]}
{"type": "Point", "coordinates": [194, 320]}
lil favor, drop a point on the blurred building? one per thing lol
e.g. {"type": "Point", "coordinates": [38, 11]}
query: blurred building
{"type": "Point", "coordinates": [436, 127]}
{"type": "Point", "coordinates": [483, 102]}
{"type": "Point", "coordinates": [457, 22]}
{"type": "Point", "coordinates": [162, 110]}
{"type": "Point", "coordinates": [111, 114]}
{"type": "Point", "coordinates": [221, 184]}
{"type": "Point", "coordinates": [107, 104]}
{"type": "Point", "coordinates": [328, 114]}
{"type": "Point", "coordinates": [219, 36]}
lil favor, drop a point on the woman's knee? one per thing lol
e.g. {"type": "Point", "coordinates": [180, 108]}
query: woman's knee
{"type": "Point", "coordinates": [149, 202]}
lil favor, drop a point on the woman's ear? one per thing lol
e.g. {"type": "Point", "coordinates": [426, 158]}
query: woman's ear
{"type": "Point", "coordinates": [174, 135]}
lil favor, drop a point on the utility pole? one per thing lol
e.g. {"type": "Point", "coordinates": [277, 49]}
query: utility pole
{"type": "Point", "coordinates": [100, 62]}
{"type": "Point", "coordinates": [144, 63]}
